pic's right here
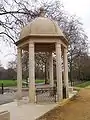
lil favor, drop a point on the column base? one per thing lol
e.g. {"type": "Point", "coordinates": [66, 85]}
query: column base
{"type": "Point", "coordinates": [18, 96]}
{"type": "Point", "coordinates": [32, 96]}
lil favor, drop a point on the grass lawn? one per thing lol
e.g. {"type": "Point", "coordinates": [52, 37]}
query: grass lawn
{"type": "Point", "coordinates": [9, 83]}
{"type": "Point", "coordinates": [83, 85]}
{"type": "Point", "coordinates": [40, 81]}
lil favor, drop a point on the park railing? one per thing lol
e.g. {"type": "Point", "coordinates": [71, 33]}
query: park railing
{"type": "Point", "coordinates": [46, 95]}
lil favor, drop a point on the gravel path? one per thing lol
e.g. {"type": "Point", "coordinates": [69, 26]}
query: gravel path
{"type": "Point", "coordinates": [77, 109]}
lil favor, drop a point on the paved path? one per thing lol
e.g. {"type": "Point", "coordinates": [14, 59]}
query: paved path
{"type": "Point", "coordinates": [10, 96]}
{"type": "Point", "coordinates": [6, 98]}
{"type": "Point", "coordinates": [77, 109]}
{"type": "Point", "coordinates": [26, 111]}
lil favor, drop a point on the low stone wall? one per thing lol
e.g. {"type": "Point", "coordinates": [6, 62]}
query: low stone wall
{"type": "Point", "coordinates": [4, 115]}
{"type": "Point", "coordinates": [70, 89]}
{"type": "Point", "coordinates": [12, 89]}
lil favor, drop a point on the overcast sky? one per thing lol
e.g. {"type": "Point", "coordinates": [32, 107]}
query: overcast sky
{"type": "Point", "coordinates": [80, 8]}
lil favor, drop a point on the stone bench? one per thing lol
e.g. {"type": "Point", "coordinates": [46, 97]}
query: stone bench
{"type": "Point", "coordinates": [4, 115]}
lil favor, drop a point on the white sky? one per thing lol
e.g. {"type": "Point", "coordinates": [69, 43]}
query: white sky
{"type": "Point", "coordinates": [81, 8]}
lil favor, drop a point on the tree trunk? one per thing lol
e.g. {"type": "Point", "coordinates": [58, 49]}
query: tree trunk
{"type": "Point", "coordinates": [46, 80]}
{"type": "Point", "coordinates": [71, 73]}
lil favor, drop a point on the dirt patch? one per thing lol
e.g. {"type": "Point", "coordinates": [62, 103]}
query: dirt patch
{"type": "Point", "coordinates": [77, 109]}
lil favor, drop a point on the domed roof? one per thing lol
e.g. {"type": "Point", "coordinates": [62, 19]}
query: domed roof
{"type": "Point", "coordinates": [41, 26]}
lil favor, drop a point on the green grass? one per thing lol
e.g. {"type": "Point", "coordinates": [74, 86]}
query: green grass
{"type": "Point", "coordinates": [10, 83]}
{"type": "Point", "coordinates": [83, 85]}
{"type": "Point", "coordinates": [40, 81]}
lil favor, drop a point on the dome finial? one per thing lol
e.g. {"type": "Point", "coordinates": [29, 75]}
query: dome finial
{"type": "Point", "coordinates": [42, 12]}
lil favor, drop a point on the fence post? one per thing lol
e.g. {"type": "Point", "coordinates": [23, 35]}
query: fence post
{"type": "Point", "coordinates": [2, 88]}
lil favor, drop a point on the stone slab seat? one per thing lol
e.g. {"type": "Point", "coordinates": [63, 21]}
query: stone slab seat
{"type": "Point", "coordinates": [4, 115]}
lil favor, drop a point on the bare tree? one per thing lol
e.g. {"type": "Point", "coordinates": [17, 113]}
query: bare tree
{"type": "Point", "coordinates": [16, 14]}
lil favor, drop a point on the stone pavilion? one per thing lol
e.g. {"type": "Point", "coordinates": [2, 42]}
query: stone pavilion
{"type": "Point", "coordinates": [43, 35]}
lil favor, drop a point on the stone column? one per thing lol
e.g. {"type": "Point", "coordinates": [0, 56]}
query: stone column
{"type": "Point", "coordinates": [31, 73]}
{"type": "Point", "coordinates": [51, 69]}
{"type": "Point", "coordinates": [59, 71]}
{"type": "Point", "coordinates": [19, 73]}
{"type": "Point", "coordinates": [65, 62]}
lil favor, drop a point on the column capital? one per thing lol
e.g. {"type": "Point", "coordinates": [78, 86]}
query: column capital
{"type": "Point", "coordinates": [31, 44]}
{"type": "Point", "coordinates": [58, 44]}
{"type": "Point", "coordinates": [19, 48]}
{"type": "Point", "coordinates": [65, 50]}
{"type": "Point", "coordinates": [19, 52]}
{"type": "Point", "coordinates": [50, 53]}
